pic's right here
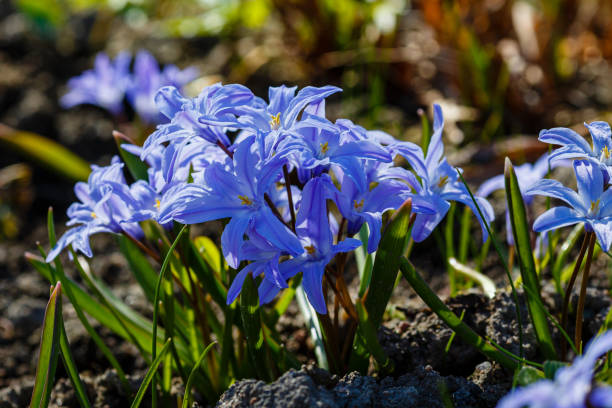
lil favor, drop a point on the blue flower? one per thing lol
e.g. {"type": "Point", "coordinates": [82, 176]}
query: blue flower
{"type": "Point", "coordinates": [592, 205]}
{"type": "Point", "coordinates": [146, 81]}
{"type": "Point", "coordinates": [573, 386]}
{"type": "Point", "coordinates": [313, 149]}
{"type": "Point", "coordinates": [103, 208]}
{"type": "Point", "coordinates": [219, 104]}
{"type": "Point", "coordinates": [238, 194]}
{"type": "Point", "coordinates": [368, 189]}
{"type": "Point", "coordinates": [274, 121]}
{"type": "Point", "coordinates": [439, 183]}
{"type": "Point", "coordinates": [575, 146]}
{"type": "Point", "coordinates": [103, 86]}
{"type": "Point", "coordinates": [315, 235]}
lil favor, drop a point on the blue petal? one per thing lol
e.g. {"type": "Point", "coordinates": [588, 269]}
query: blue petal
{"type": "Point", "coordinates": [232, 239]}
{"type": "Point", "coordinates": [603, 230]}
{"type": "Point", "coordinates": [237, 283]}
{"type": "Point", "coordinates": [557, 217]}
{"type": "Point", "coordinates": [554, 189]}
{"type": "Point", "coordinates": [312, 283]}
{"type": "Point", "coordinates": [169, 101]}
{"type": "Point", "coordinates": [270, 227]}
{"type": "Point", "coordinates": [541, 394]}
{"type": "Point", "coordinates": [589, 180]}
{"type": "Point", "coordinates": [601, 397]}
{"type": "Point", "coordinates": [564, 137]}
{"type": "Point", "coordinates": [601, 134]}
{"type": "Point", "coordinates": [491, 185]}
{"type": "Point", "coordinates": [436, 147]}
{"type": "Point", "coordinates": [279, 98]}
{"type": "Point", "coordinates": [305, 97]}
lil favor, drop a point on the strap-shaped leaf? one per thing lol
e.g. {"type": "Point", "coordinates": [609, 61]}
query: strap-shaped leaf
{"type": "Point", "coordinates": [49, 350]}
{"type": "Point", "coordinates": [522, 239]}
{"type": "Point", "coordinates": [45, 152]}
{"type": "Point", "coordinates": [150, 374]}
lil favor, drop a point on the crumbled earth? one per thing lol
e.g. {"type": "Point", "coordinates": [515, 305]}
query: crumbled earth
{"type": "Point", "coordinates": [312, 387]}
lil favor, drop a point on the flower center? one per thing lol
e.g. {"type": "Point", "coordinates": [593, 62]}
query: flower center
{"type": "Point", "coordinates": [442, 182]}
{"type": "Point", "coordinates": [324, 147]}
{"type": "Point", "coordinates": [358, 205]}
{"type": "Point", "coordinates": [310, 249]}
{"type": "Point", "coordinates": [605, 153]}
{"type": "Point", "coordinates": [93, 215]}
{"type": "Point", "coordinates": [244, 200]}
{"type": "Point", "coordinates": [157, 204]}
{"type": "Point", "coordinates": [594, 207]}
{"type": "Point", "coordinates": [275, 121]}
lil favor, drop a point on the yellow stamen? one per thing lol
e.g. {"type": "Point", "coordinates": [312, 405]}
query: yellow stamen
{"type": "Point", "coordinates": [373, 185]}
{"type": "Point", "coordinates": [605, 152]}
{"type": "Point", "coordinates": [244, 200]}
{"type": "Point", "coordinates": [157, 204]}
{"type": "Point", "coordinates": [358, 205]}
{"type": "Point", "coordinates": [275, 121]}
{"type": "Point", "coordinates": [324, 147]}
{"type": "Point", "coordinates": [442, 181]}
{"type": "Point", "coordinates": [594, 206]}
{"type": "Point", "coordinates": [310, 249]}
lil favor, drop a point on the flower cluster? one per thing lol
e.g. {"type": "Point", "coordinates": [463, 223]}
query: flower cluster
{"type": "Point", "coordinates": [572, 387]}
{"type": "Point", "coordinates": [110, 82]}
{"type": "Point", "coordinates": [273, 169]}
{"type": "Point", "coordinates": [592, 204]}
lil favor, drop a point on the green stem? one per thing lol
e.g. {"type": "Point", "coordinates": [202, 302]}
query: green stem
{"type": "Point", "coordinates": [582, 297]}
{"type": "Point", "coordinates": [568, 291]}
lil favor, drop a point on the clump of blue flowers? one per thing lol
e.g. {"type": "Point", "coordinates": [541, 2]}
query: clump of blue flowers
{"type": "Point", "coordinates": [111, 82]}
{"type": "Point", "coordinates": [293, 186]}
{"type": "Point", "coordinates": [572, 387]}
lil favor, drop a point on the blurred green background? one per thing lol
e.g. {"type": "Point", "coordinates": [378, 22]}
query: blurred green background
{"type": "Point", "coordinates": [501, 69]}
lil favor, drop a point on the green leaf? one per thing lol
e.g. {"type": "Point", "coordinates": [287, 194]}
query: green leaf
{"type": "Point", "coordinates": [139, 266]}
{"type": "Point", "coordinates": [452, 320]}
{"type": "Point", "coordinates": [251, 321]}
{"type": "Point", "coordinates": [210, 279]}
{"type": "Point", "coordinates": [162, 274]}
{"type": "Point", "coordinates": [72, 370]}
{"type": "Point", "coordinates": [209, 251]}
{"type": "Point", "coordinates": [194, 370]}
{"type": "Point", "coordinates": [45, 152]}
{"type": "Point", "coordinates": [150, 374]}
{"type": "Point", "coordinates": [528, 375]}
{"type": "Point", "coordinates": [370, 336]}
{"type": "Point", "coordinates": [382, 281]}
{"type": "Point", "coordinates": [136, 167]}
{"type": "Point", "coordinates": [522, 239]}
{"type": "Point", "coordinates": [49, 350]}
{"type": "Point", "coordinates": [551, 367]}
{"type": "Point", "coordinates": [488, 286]}
{"type": "Point", "coordinates": [387, 262]}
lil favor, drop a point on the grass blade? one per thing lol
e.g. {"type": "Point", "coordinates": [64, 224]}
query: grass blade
{"type": "Point", "coordinates": [520, 230]}
{"type": "Point", "coordinates": [504, 262]}
{"type": "Point", "coordinates": [452, 320]}
{"type": "Point", "coordinates": [150, 374]}
{"type": "Point", "coordinates": [194, 370]}
{"type": "Point", "coordinates": [162, 273]}
{"type": "Point", "coordinates": [73, 373]}
{"type": "Point", "coordinates": [45, 152]}
{"type": "Point", "coordinates": [49, 350]}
